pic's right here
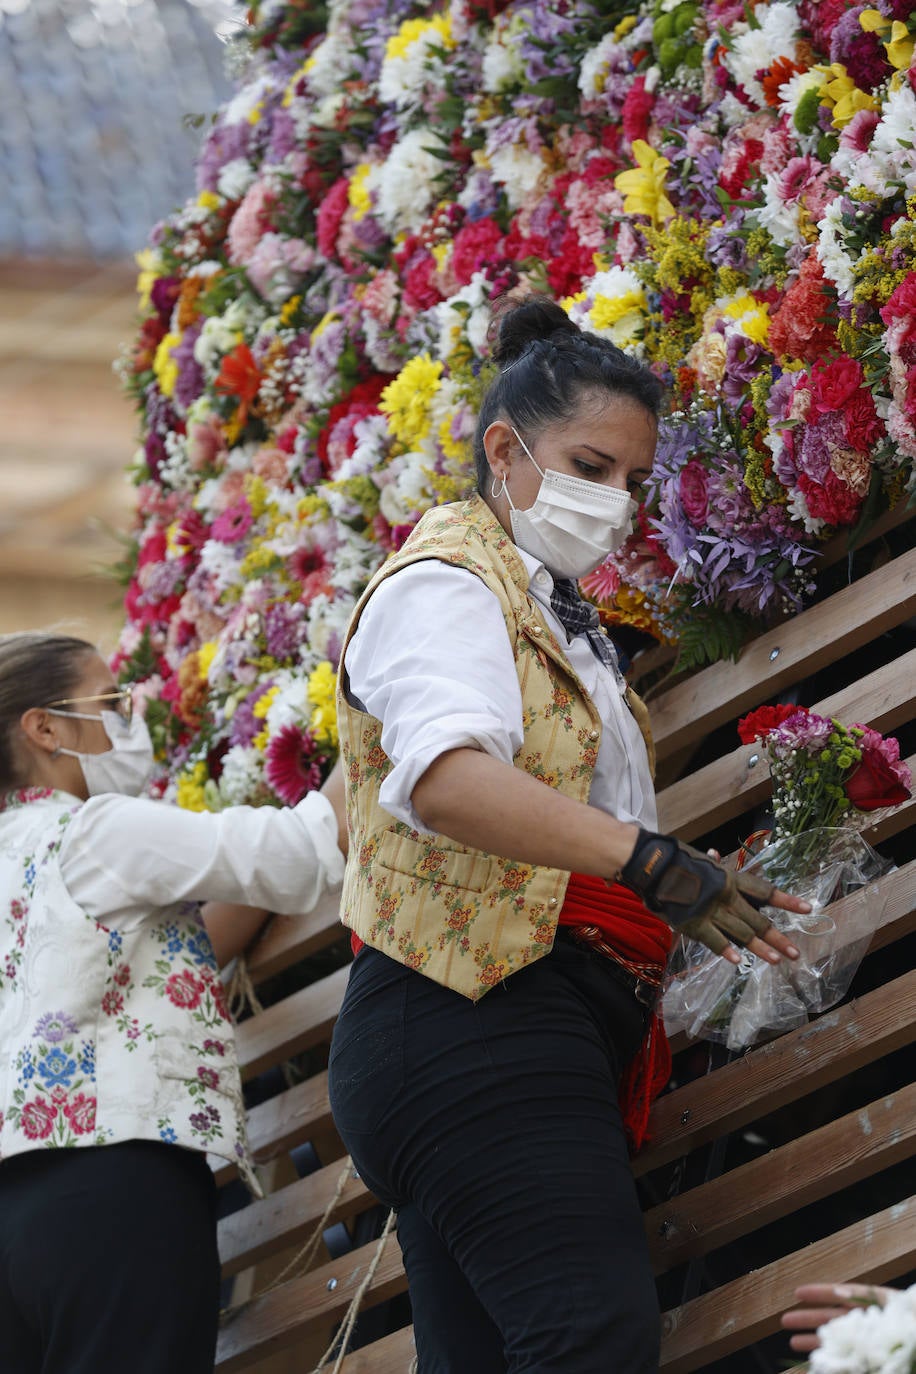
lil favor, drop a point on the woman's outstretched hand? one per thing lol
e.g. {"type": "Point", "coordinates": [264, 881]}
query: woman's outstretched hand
{"type": "Point", "coordinates": [820, 1303]}
{"type": "Point", "coordinates": [700, 898]}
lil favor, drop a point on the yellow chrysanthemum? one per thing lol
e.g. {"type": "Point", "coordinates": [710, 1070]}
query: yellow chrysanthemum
{"type": "Point", "coordinates": [846, 96]}
{"type": "Point", "coordinates": [150, 268]}
{"type": "Point", "coordinates": [322, 686]}
{"type": "Point", "coordinates": [407, 399]}
{"type": "Point", "coordinates": [263, 704]}
{"type": "Point", "coordinates": [625, 26]}
{"type": "Point", "coordinates": [439, 28]}
{"type": "Point", "coordinates": [568, 302]}
{"type": "Point", "coordinates": [205, 656]}
{"type": "Point", "coordinates": [189, 787]}
{"type": "Point", "coordinates": [752, 315]}
{"type": "Point", "coordinates": [208, 200]}
{"type": "Point", "coordinates": [256, 112]}
{"type": "Point", "coordinates": [607, 311]}
{"type": "Point", "coordinates": [358, 197]}
{"type": "Point", "coordinates": [257, 494]}
{"type": "Point", "coordinates": [450, 446]}
{"type": "Point", "coordinates": [644, 185]}
{"type": "Point", "coordinates": [289, 309]}
{"type": "Point", "coordinates": [165, 366]}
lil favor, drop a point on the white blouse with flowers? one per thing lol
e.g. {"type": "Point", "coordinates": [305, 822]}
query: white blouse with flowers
{"type": "Point", "coordinates": [113, 1023]}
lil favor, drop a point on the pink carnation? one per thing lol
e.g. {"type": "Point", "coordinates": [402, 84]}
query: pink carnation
{"type": "Point", "coordinates": [249, 223]}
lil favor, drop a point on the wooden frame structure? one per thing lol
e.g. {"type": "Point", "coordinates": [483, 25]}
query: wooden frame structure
{"type": "Point", "coordinates": [814, 1165]}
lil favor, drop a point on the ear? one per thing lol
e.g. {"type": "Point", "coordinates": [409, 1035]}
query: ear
{"type": "Point", "coordinates": [500, 446]}
{"type": "Point", "coordinates": [40, 729]}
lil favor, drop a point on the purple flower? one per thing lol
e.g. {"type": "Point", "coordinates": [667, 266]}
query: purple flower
{"type": "Point", "coordinates": [54, 1026]}
{"type": "Point", "coordinates": [802, 730]}
{"type": "Point", "coordinates": [224, 144]}
{"type": "Point", "coordinates": [190, 380]}
{"type": "Point", "coordinates": [741, 366]}
{"type": "Point", "coordinates": [245, 724]}
{"type": "Point", "coordinates": [283, 629]}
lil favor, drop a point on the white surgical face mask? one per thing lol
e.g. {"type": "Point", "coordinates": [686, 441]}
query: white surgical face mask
{"type": "Point", "coordinates": [126, 766]}
{"type": "Point", "coordinates": [573, 524]}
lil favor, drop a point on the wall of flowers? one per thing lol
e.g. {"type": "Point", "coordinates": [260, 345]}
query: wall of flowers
{"type": "Point", "coordinates": [725, 188]}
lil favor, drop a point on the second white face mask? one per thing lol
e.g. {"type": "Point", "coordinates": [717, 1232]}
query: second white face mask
{"type": "Point", "coordinates": [125, 767]}
{"type": "Point", "coordinates": [573, 524]}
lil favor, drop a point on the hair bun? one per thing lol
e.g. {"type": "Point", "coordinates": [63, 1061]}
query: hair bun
{"type": "Point", "coordinates": [520, 323]}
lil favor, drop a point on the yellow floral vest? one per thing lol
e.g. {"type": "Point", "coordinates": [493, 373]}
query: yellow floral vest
{"type": "Point", "coordinates": [464, 917]}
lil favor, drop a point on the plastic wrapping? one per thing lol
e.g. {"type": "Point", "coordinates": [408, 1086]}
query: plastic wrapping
{"type": "Point", "coordinates": [737, 1004]}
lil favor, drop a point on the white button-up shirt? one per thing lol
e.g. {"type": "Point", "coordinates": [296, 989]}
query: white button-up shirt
{"type": "Point", "coordinates": [432, 661]}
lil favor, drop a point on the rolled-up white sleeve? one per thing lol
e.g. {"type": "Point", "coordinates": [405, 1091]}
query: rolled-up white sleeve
{"type": "Point", "coordinates": [432, 661]}
{"type": "Point", "coordinates": [124, 857]}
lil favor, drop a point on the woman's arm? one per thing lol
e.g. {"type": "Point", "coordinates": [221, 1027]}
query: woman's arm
{"type": "Point", "coordinates": [232, 928]}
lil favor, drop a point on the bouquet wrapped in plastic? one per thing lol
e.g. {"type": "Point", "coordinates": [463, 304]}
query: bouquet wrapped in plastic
{"type": "Point", "coordinates": [823, 773]}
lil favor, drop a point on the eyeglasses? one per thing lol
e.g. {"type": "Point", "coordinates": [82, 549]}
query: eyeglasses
{"type": "Point", "coordinates": [123, 701]}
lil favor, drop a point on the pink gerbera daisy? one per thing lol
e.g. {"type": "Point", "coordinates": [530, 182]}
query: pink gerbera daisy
{"type": "Point", "coordinates": [292, 766]}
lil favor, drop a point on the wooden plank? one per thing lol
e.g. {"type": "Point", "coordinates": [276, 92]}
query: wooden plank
{"type": "Point", "coordinates": [858, 1146]}
{"type": "Point", "coordinates": [781, 1071]}
{"type": "Point", "coordinates": [304, 1019]}
{"type": "Point", "coordinates": [286, 1120]}
{"type": "Point", "coordinates": [289, 1216]}
{"type": "Point", "coordinates": [393, 1354]}
{"type": "Point", "coordinates": [283, 1316]}
{"type": "Point", "coordinates": [783, 656]}
{"type": "Point", "coordinates": [874, 1250]}
{"type": "Point", "coordinates": [724, 789]}
{"type": "Point", "coordinates": [287, 939]}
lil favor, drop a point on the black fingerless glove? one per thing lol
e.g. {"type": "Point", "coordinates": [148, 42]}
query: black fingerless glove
{"type": "Point", "coordinates": [674, 880]}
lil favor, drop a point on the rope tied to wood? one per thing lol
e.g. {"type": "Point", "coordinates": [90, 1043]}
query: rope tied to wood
{"type": "Point", "coordinates": [302, 1259]}
{"type": "Point", "coordinates": [344, 1334]}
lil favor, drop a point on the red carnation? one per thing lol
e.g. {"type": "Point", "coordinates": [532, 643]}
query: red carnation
{"type": "Point", "coordinates": [834, 383]}
{"type": "Point", "coordinates": [331, 211]}
{"type": "Point", "coordinates": [475, 247]}
{"type": "Point", "coordinates": [759, 723]}
{"type": "Point", "coordinates": [637, 110]}
{"type": "Point", "coordinates": [799, 328]}
{"type": "Point", "coordinates": [874, 784]}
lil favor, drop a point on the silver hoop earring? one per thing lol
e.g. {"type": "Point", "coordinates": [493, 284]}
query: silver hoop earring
{"type": "Point", "coordinates": [493, 492]}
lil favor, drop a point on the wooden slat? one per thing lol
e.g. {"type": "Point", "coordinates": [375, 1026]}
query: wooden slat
{"type": "Point", "coordinates": [304, 1019]}
{"type": "Point", "coordinates": [845, 621]}
{"type": "Point", "coordinates": [285, 1121]}
{"type": "Point", "coordinates": [857, 1146]}
{"type": "Point", "coordinates": [289, 1217]}
{"type": "Point", "coordinates": [288, 939]}
{"type": "Point", "coordinates": [782, 1071]}
{"type": "Point", "coordinates": [392, 1355]}
{"type": "Point", "coordinates": [280, 1318]}
{"type": "Point", "coordinates": [874, 1250]}
{"type": "Point", "coordinates": [724, 789]}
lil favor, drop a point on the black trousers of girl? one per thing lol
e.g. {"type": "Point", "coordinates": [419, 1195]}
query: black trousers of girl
{"type": "Point", "coordinates": [494, 1130]}
{"type": "Point", "coordinates": [108, 1261]}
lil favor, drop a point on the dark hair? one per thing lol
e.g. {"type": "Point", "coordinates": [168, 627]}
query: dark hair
{"type": "Point", "coordinates": [546, 363]}
{"type": "Point", "coordinates": [36, 668]}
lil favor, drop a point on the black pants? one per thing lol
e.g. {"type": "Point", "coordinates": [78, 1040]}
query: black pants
{"type": "Point", "coordinates": [108, 1261]}
{"type": "Point", "coordinates": [494, 1129]}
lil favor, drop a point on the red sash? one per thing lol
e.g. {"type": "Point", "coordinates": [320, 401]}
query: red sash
{"type": "Point", "coordinates": [615, 922]}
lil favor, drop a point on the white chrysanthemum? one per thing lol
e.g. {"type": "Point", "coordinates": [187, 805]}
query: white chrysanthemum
{"type": "Point", "coordinates": [372, 441]}
{"type": "Point", "coordinates": [218, 337]}
{"type": "Point", "coordinates": [327, 621]}
{"type": "Point", "coordinates": [889, 146]}
{"type": "Point", "coordinates": [244, 103]}
{"type": "Point", "coordinates": [797, 507]}
{"type": "Point", "coordinates": [756, 49]}
{"type": "Point", "coordinates": [777, 216]}
{"type": "Point", "coordinates": [797, 86]}
{"type": "Point", "coordinates": [464, 317]}
{"type": "Point", "coordinates": [614, 307]}
{"type": "Point", "coordinates": [406, 187]}
{"type": "Point", "coordinates": [291, 705]}
{"type": "Point", "coordinates": [518, 171]}
{"type": "Point", "coordinates": [407, 493]}
{"type": "Point", "coordinates": [327, 62]}
{"type": "Point", "coordinates": [594, 69]}
{"type": "Point", "coordinates": [241, 775]}
{"type": "Point", "coordinates": [836, 262]}
{"type": "Point", "coordinates": [222, 565]}
{"type": "Point", "coordinates": [502, 63]}
{"type": "Point", "coordinates": [355, 560]}
{"type": "Point", "coordinates": [235, 178]}
{"type": "Point", "coordinates": [205, 269]}
{"type": "Point", "coordinates": [409, 67]}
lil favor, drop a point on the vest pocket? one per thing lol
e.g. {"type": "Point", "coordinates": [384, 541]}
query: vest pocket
{"type": "Point", "coordinates": [430, 861]}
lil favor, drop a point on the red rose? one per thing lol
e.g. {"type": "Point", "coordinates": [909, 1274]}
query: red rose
{"type": "Point", "coordinates": [81, 1114]}
{"type": "Point", "coordinates": [693, 491]}
{"type": "Point", "coordinates": [834, 384]}
{"type": "Point", "coordinates": [184, 990]}
{"type": "Point", "coordinates": [759, 723]}
{"type": "Point", "coordinates": [38, 1119]}
{"type": "Point", "coordinates": [874, 784]}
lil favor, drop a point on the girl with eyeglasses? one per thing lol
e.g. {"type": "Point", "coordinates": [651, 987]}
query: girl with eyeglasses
{"type": "Point", "coordinates": [118, 1070]}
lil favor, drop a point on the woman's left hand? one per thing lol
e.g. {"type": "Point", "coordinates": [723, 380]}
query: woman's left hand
{"type": "Point", "coordinates": [821, 1302]}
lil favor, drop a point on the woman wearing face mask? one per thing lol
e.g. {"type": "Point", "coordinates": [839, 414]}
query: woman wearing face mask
{"type": "Point", "coordinates": [495, 1045]}
{"type": "Point", "coordinates": [114, 1034]}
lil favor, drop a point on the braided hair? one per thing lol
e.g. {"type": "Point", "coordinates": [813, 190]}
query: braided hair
{"type": "Point", "coordinates": [546, 363]}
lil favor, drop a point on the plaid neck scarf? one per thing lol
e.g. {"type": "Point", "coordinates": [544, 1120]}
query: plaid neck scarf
{"type": "Point", "coordinates": [578, 617]}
